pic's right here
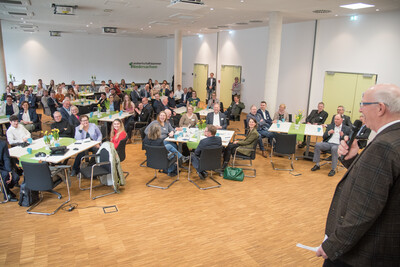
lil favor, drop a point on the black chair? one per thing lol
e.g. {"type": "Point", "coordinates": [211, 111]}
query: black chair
{"type": "Point", "coordinates": [221, 107]}
{"type": "Point", "coordinates": [284, 145]}
{"type": "Point", "coordinates": [143, 136]}
{"type": "Point", "coordinates": [250, 158]}
{"type": "Point", "coordinates": [210, 160]}
{"type": "Point", "coordinates": [141, 124]}
{"type": "Point", "coordinates": [103, 130]}
{"type": "Point", "coordinates": [121, 152]}
{"type": "Point", "coordinates": [157, 159]}
{"type": "Point", "coordinates": [39, 177]}
{"type": "Point", "coordinates": [96, 170]}
{"type": "Point", "coordinates": [38, 125]}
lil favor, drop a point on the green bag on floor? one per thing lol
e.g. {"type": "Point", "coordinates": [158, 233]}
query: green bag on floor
{"type": "Point", "coordinates": [234, 174]}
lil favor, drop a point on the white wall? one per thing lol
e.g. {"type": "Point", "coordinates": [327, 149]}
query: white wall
{"type": "Point", "coordinates": [33, 56]}
{"type": "Point", "coordinates": [369, 45]}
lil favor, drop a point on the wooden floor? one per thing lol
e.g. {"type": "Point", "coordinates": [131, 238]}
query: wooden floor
{"type": "Point", "coordinates": [256, 222]}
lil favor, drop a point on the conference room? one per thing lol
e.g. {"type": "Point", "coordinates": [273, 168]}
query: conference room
{"type": "Point", "coordinates": [281, 54]}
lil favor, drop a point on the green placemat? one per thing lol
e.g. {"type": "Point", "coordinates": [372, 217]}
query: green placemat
{"type": "Point", "coordinates": [128, 92]}
{"type": "Point", "coordinates": [3, 117]}
{"type": "Point", "coordinates": [64, 141]}
{"type": "Point", "coordinates": [192, 145]}
{"type": "Point", "coordinates": [95, 119]}
{"type": "Point", "coordinates": [299, 132]}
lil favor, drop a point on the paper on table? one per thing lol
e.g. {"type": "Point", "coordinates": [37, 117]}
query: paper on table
{"type": "Point", "coordinates": [308, 247]}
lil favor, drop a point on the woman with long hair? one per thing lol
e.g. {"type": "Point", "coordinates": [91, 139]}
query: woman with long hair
{"type": "Point", "coordinates": [117, 132]}
{"type": "Point", "coordinates": [244, 145]}
{"type": "Point", "coordinates": [128, 105]}
{"type": "Point", "coordinates": [189, 119]}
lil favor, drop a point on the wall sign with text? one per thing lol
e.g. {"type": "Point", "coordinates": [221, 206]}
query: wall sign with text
{"type": "Point", "coordinates": [144, 65]}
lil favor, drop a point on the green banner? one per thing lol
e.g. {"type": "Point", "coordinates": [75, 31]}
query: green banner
{"type": "Point", "coordinates": [95, 119]}
{"type": "Point", "coordinates": [300, 131]}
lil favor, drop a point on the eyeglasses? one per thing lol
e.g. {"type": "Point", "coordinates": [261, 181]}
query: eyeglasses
{"type": "Point", "coordinates": [367, 103]}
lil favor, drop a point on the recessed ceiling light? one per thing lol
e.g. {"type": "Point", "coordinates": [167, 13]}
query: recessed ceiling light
{"type": "Point", "coordinates": [91, 23]}
{"type": "Point", "coordinates": [241, 1]}
{"type": "Point", "coordinates": [211, 8]}
{"type": "Point", "coordinates": [336, 15]}
{"type": "Point", "coordinates": [357, 6]}
{"type": "Point", "coordinates": [149, 26]}
{"type": "Point", "coordinates": [354, 18]}
{"type": "Point", "coordinates": [377, 9]}
{"type": "Point", "coordinates": [87, 25]}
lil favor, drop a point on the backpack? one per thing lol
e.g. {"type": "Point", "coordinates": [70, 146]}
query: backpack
{"type": "Point", "coordinates": [27, 197]}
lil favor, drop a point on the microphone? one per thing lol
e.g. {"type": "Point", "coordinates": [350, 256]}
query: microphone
{"type": "Point", "coordinates": [354, 130]}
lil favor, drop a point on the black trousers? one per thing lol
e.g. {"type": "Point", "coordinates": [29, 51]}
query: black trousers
{"type": "Point", "coordinates": [336, 263]}
{"type": "Point", "coordinates": [5, 177]}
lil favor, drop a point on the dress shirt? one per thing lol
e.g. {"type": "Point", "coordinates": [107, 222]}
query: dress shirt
{"type": "Point", "coordinates": [216, 120]}
{"type": "Point", "coordinates": [335, 139]}
{"type": "Point", "coordinates": [178, 94]}
{"type": "Point", "coordinates": [94, 133]}
{"type": "Point", "coordinates": [25, 116]}
{"type": "Point", "coordinates": [16, 135]}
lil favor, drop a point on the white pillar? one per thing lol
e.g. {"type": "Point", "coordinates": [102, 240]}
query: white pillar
{"type": "Point", "coordinates": [273, 58]}
{"type": "Point", "coordinates": [178, 59]}
{"type": "Point", "coordinates": [3, 73]}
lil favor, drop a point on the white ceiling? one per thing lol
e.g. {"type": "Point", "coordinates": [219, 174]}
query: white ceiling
{"type": "Point", "coordinates": [153, 18]}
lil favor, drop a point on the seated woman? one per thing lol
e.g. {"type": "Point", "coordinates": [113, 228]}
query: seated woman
{"type": "Point", "coordinates": [117, 132]}
{"type": "Point", "coordinates": [194, 100]}
{"type": "Point", "coordinates": [189, 119]}
{"type": "Point", "coordinates": [127, 105]}
{"type": "Point", "coordinates": [242, 146]}
{"type": "Point", "coordinates": [83, 131]}
{"type": "Point", "coordinates": [114, 104]}
{"type": "Point", "coordinates": [27, 117]}
{"type": "Point", "coordinates": [153, 138]}
{"type": "Point", "coordinates": [281, 114]}
{"type": "Point", "coordinates": [71, 94]}
{"type": "Point", "coordinates": [102, 102]}
{"type": "Point", "coordinates": [74, 118]}
{"type": "Point", "coordinates": [93, 87]}
{"type": "Point", "coordinates": [166, 128]}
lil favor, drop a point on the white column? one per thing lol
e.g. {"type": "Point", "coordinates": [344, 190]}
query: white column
{"type": "Point", "coordinates": [273, 58]}
{"type": "Point", "coordinates": [3, 73]}
{"type": "Point", "coordinates": [178, 59]}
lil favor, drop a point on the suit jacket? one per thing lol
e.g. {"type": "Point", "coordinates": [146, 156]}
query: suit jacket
{"type": "Point", "coordinates": [74, 121]}
{"type": "Point", "coordinates": [135, 96]}
{"type": "Point", "coordinates": [248, 142]}
{"type": "Point", "coordinates": [116, 105]}
{"type": "Point", "coordinates": [318, 118]}
{"type": "Point", "coordinates": [346, 120]}
{"type": "Point", "coordinates": [5, 163]}
{"type": "Point", "coordinates": [157, 106]}
{"type": "Point", "coordinates": [363, 223]}
{"type": "Point", "coordinates": [171, 102]}
{"type": "Point", "coordinates": [31, 100]}
{"type": "Point", "coordinates": [32, 115]}
{"type": "Point", "coordinates": [346, 132]}
{"type": "Point", "coordinates": [214, 83]}
{"type": "Point", "coordinates": [267, 117]}
{"type": "Point", "coordinates": [209, 142]}
{"type": "Point", "coordinates": [64, 113]}
{"type": "Point", "coordinates": [222, 119]}
{"type": "Point", "coordinates": [363, 135]}
{"type": "Point", "coordinates": [52, 105]}
{"type": "Point", "coordinates": [144, 115]}
{"type": "Point", "coordinates": [144, 93]}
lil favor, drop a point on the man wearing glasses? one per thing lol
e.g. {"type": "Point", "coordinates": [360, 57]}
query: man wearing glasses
{"type": "Point", "coordinates": [363, 224]}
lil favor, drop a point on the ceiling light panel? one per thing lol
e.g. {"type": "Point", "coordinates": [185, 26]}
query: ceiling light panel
{"type": "Point", "coordinates": [357, 6]}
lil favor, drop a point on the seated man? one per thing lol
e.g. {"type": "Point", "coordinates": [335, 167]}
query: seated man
{"type": "Point", "coordinates": [44, 101]}
{"type": "Point", "coordinates": [157, 105]}
{"type": "Point", "coordinates": [234, 110]}
{"type": "Point", "coordinates": [184, 98]}
{"type": "Point", "coordinates": [28, 97]}
{"type": "Point", "coordinates": [102, 102]}
{"type": "Point", "coordinates": [53, 103]}
{"type": "Point", "coordinates": [9, 177]}
{"type": "Point", "coordinates": [65, 110]}
{"type": "Point", "coordinates": [334, 133]}
{"type": "Point", "coordinates": [171, 100]}
{"type": "Point", "coordinates": [17, 133]}
{"type": "Point", "coordinates": [213, 100]}
{"type": "Point", "coordinates": [135, 95]}
{"type": "Point", "coordinates": [316, 117]}
{"type": "Point", "coordinates": [262, 128]}
{"type": "Point", "coordinates": [66, 129]}
{"type": "Point", "coordinates": [363, 134]}
{"type": "Point", "coordinates": [211, 141]}
{"type": "Point", "coordinates": [217, 118]}
{"type": "Point", "coordinates": [346, 119]}
{"type": "Point", "coordinates": [178, 94]}
{"type": "Point", "coordinates": [264, 113]}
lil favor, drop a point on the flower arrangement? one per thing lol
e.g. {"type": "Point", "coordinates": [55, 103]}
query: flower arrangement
{"type": "Point", "coordinates": [47, 138]}
{"type": "Point", "coordinates": [56, 133]}
{"type": "Point", "coordinates": [201, 124]}
{"type": "Point", "coordinates": [93, 77]}
{"type": "Point", "coordinates": [299, 116]}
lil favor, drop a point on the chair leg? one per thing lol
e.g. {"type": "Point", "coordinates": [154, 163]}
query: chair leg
{"type": "Point", "coordinates": [277, 169]}
{"type": "Point", "coordinates": [245, 169]}
{"type": "Point", "coordinates": [142, 164]}
{"type": "Point", "coordinates": [202, 188]}
{"type": "Point", "coordinates": [41, 198]}
{"type": "Point", "coordinates": [3, 189]}
{"type": "Point", "coordinates": [155, 177]}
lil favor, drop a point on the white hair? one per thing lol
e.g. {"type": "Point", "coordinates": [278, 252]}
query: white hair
{"type": "Point", "coordinates": [390, 97]}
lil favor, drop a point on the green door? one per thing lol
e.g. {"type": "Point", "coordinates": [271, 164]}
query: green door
{"type": "Point", "coordinates": [200, 72]}
{"type": "Point", "coordinates": [228, 74]}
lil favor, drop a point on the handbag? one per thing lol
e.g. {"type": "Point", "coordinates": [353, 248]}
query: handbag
{"type": "Point", "coordinates": [234, 174]}
{"type": "Point", "coordinates": [61, 150]}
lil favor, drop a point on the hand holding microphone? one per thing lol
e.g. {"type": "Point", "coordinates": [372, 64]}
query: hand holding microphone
{"type": "Point", "coordinates": [347, 148]}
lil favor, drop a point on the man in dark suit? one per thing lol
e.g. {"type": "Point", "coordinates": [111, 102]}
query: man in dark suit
{"type": "Point", "coordinates": [31, 99]}
{"type": "Point", "coordinates": [65, 109]}
{"type": "Point", "coordinates": [211, 141]}
{"type": "Point", "coordinates": [147, 110]}
{"type": "Point", "coordinates": [145, 92]}
{"type": "Point", "coordinates": [346, 119]}
{"type": "Point", "coordinates": [334, 133]}
{"type": "Point", "coordinates": [316, 117]}
{"type": "Point", "coordinates": [217, 118]}
{"type": "Point", "coordinates": [265, 114]}
{"type": "Point", "coordinates": [53, 103]}
{"type": "Point", "coordinates": [171, 100]}
{"type": "Point", "coordinates": [211, 83]}
{"type": "Point", "coordinates": [135, 96]}
{"type": "Point", "coordinates": [9, 177]}
{"type": "Point", "coordinates": [363, 134]}
{"type": "Point", "coordinates": [363, 224]}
